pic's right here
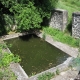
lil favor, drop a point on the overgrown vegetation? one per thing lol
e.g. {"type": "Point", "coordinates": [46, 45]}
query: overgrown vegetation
{"type": "Point", "coordinates": [5, 60]}
{"type": "Point", "coordinates": [46, 76]}
{"type": "Point", "coordinates": [76, 61]}
{"type": "Point", "coordinates": [62, 37]}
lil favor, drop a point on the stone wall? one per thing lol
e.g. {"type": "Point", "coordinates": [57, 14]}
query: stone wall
{"type": "Point", "coordinates": [59, 19]}
{"type": "Point", "coordinates": [76, 24]}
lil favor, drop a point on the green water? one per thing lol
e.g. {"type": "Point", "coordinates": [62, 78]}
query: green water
{"type": "Point", "coordinates": [36, 55]}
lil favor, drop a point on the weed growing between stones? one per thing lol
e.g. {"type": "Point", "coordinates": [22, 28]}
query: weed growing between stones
{"type": "Point", "coordinates": [57, 72]}
{"type": "Point", "coordinates": [44, 36]}
{"type": "Point", "coordinates": [46, 76]}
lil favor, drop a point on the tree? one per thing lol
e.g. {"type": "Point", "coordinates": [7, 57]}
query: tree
{"type": "Point", "coordinates": [28, 14]}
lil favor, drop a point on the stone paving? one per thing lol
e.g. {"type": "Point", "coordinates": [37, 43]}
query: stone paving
{"type": "Point", "coordinates": [66, 75]}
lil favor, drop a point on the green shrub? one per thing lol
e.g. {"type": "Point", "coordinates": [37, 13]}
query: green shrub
{"type": "Point", "coordinates": [27, 16]}
{"type": "Point", "coordinates": [6, 58]}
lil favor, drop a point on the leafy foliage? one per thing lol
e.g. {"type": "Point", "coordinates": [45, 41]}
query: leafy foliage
{"type": "Point", "coordinates": [7, 58]}
{"type": "Point", "coordinates": [28, 14]}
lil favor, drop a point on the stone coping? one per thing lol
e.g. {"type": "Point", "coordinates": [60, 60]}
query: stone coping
{"type": "Point", "coordinates": [5, 37]}
{"type": "Point", "coordinates": [19, 72]}
{"type": "Point", "coordinates": [64, 47]}
{"type": "Point", "coordinates": [60, 67]}
{"type": "Point", "coordinates": [17, 69]}
{"type": "Point", "coordinates": [76, 13]}
{"type": "Point", "coordinates": [58, 9]}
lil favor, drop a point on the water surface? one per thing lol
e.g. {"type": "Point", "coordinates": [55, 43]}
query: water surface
{"type": "Point", "coordinates": [36, 54]}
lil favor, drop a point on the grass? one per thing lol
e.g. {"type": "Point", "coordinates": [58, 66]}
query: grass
{"type": "Point", "coordinates": [46, 76]}
{"type": "Point", "coordinates": [71, 6]}
{"type": "Point", "coordinates": [61, 37]}
{"type": "Point", "coordinates": [7, 74]}
{"type": "Point", "coordinates": [67, 6]}
{"type": "Point", "coordinates": [57, 72]}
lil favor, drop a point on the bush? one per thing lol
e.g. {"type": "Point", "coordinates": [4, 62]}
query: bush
{"type": "Point", "coordinates": [27, 14]}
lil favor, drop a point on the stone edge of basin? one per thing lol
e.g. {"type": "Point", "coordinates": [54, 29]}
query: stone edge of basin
{"type": "Point", "coordinates": [64, 47]}
{"type": "Point", "coordinates": [18, 70]}
{"type": "Point", "coordinates": [15, 67]}
{"type": "Point", "coordinates": [60, 67]}
{"type": "Point", "coordinates": [5, 37]}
